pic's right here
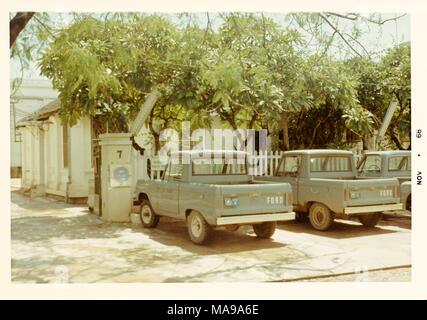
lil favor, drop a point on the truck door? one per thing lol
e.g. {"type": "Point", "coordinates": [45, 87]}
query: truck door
{"type": "Point", "coordinates": [288, 170]}
{"type": "Point", "coordinates": [169, 191]}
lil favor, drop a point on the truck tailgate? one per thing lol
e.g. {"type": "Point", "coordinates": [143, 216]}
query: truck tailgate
{"type": "Point", "coordinates": [372, 192]}
{"type": "Point", "coordinates": [257, 198]}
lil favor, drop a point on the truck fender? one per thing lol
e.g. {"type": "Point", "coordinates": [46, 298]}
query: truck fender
{"type": "Point", "coordinates": [143, 196]}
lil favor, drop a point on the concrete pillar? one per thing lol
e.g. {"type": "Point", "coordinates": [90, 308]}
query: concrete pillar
{"type": "Point", "coordinates": [116, 176]}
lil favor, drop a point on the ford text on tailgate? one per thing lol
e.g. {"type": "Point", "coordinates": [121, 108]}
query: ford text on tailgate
{"type": "Point", "coordinates": [212, 189]}
{"type": "Point", "coordinates": [325, 186]}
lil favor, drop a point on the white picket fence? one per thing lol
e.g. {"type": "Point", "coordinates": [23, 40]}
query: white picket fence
{"type": "Point", "coordinates": [264, 163]}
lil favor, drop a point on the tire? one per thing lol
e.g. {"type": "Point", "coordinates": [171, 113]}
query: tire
{"type": "Point", "coordinates": [408, 205]}
{"type": "Point", "coordinates": [301, 216]}
{"type": "Point", "coordinates": [198, 229]}
{"type": "Point", "coordinates": [321, 218]}
{"type": "Point", "coordinates": [371, 219]}
{"type": "Point", "coordinates": [264, 230]}
{"type": "Point", "coordinates": [148, 217]}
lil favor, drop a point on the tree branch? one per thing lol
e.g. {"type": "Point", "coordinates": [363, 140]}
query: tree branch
{"type": "Point", "coordinates": [348, 16]}
{"type": "Point", "coordinates": [340, 34]}
{"type": "Point", "coordinates": [381, 22]}
{"type": "Point", "coordinates": [44, 26]}
{"type": "Point", "coordinates": [358, 42]}
{"type": "Point", "coordinates": [17, 24]}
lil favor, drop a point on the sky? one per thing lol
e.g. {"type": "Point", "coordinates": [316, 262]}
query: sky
{"type": "Point", "coordinates": [374, 38]}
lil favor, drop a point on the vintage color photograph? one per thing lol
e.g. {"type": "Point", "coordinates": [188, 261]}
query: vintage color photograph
{"type": "Point", "coordinates": [210, 147]}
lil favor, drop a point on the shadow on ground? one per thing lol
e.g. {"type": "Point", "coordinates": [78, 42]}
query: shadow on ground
{"type": "Point", "coordinates": [38, 204]}
{"type": "Point", "coordinates": [168, 232]}
{"type": "Point", "coordinates": [171, 232]}
{"type": "Point", "coordinates": [340, 229]}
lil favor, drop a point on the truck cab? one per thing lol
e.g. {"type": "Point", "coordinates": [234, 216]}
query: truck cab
{"type": "Point", "coordinates": [393, 164]}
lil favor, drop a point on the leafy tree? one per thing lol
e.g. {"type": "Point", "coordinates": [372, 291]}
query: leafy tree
{"type": "Point", "coordinates": [249, 76]}
{"type": "Point", "coordinates": [382, 81]}
{"type": "Point", "coordinates": [396, 68]}
{"type": "Point", "coordinates": [251, 72]}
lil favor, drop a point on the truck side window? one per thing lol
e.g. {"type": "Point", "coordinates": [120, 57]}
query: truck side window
{"type": "Point", "coordinates": [174, 171]}
{"type": "Point", "coordinates": [330, 163]}
{"type": "Point", "coordinates": [289, 166]}
{"type": "Point", "coordinates": [400, 163]}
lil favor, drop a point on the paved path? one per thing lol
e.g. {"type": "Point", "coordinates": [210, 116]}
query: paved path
{"type": "Point", "coordinates": [56, 242]}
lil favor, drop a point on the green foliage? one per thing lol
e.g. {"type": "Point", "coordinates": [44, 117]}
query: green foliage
{"type": "Point", "coordinates": [250, 71]}
{"type": "Point", "coordinates": [382, 81]}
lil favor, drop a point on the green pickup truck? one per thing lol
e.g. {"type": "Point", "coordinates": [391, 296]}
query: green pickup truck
{"type": "Point", "coordinates": [213, 189]}
{"type": "Point", "coordinates": [325, 186]}
{"type": "Point", "coordinates": [389, 164]}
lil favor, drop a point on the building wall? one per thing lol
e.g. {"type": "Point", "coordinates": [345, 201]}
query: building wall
{"type": "Point", "coordinates": [43, 166]}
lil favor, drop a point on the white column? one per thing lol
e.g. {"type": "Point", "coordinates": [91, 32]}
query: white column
{"type": "Point", "coordinates": [79, 165]}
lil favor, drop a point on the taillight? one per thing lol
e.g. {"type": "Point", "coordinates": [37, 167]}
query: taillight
{"type": "Point", "coordinates": [346, 195]}
{"type": "Point", "coordinates": [397, 191]}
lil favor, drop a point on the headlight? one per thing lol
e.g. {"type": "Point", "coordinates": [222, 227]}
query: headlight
{"type": "Point", "coordinates": [354, 194]}
{"type": "Point", "coordinates": [231, 202]}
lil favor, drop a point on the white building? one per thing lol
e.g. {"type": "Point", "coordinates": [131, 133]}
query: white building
{"type": "Point", "coordinates": [56, 158]}
{"type": "Point", "coordinates": [26, 97]}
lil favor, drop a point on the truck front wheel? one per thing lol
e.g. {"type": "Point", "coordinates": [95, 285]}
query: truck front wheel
{"type": "Point", "coordinates": [148, 218]}
{"type": "Point", "coordinates": [265, 230]}
{"type": "Point", "coordinates": [321, 218]}
{"type": "Point", "coordinates": [371, 219]}
{"type": "Point", "coordinates": [198, 229]}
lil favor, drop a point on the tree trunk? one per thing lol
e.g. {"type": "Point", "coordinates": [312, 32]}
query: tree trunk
{"type": "Point", "coordinates": [396, 140]}
{"type": "Point", "coordinates": [285, 128]}
{"type": "Point", "coordinates": [365, 142]}
{"type": "Point", "coordinates": [17, 24]}
{"type": "Point", "coordinates": [157, 142]}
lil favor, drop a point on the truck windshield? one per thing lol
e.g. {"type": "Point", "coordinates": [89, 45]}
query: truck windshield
{"type": "Point", "coordinates": [330, 164]}
{"type": "Point", "coordinates": [219, 169]}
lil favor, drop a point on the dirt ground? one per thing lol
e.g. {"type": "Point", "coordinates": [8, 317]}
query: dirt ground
{"type": "Point", "coordinates": [57, 242]}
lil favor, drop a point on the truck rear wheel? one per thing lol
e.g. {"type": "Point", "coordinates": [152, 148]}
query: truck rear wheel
{"type": "Point", "coordinates": [321, 218]}
{"type": "Point", "coordinates": [408, 205]}
{"type": "Point", "coordinates": [148, 218]}
{"type": "Point", "coordinates": [371, 219]}
{"type": "Point", "coordinates": [264, 230]}
{"type": "Point", "coordinates": [301, 216]}
{"type": "Point", "coordinates": [198, 229]}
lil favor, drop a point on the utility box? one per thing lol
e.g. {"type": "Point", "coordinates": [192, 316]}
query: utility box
{"type": "Point", "coordinates": [116, 177]}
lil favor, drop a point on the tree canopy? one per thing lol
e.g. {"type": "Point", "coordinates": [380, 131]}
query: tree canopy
{"type": "Point", "coordinates": [250, 71]}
